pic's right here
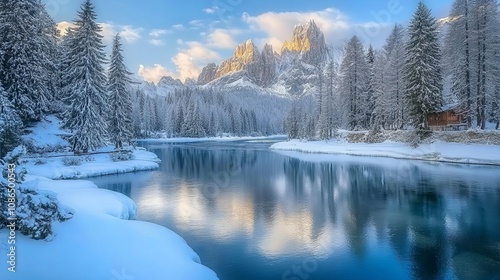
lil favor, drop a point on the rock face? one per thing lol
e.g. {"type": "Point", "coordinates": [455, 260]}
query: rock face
{"type": "Point", "coordinates": [169, 81]}
{"type": "Point", "coordinates": [207, 74]}
{"type": "Point", "coordinates": [245, 57]}
{"type": "Point", "coordinates": [267, 67]}
{"type": "Point", "coordinates": [295, 70]}
{"type": "Point", "coordinates": [309, 42]}
{"type": "Point", "coordinates": [190, 82]}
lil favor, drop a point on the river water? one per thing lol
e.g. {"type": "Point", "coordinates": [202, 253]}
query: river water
{"type": "Point", "coordinates": [252, 213]}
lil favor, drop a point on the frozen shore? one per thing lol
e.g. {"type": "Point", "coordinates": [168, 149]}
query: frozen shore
{"type": "Point", "coordinates": [89, 166]}
{"type": "Point", "coordinates": [101, 242]}
{"type": "Point", "coordinates": [437, 151]}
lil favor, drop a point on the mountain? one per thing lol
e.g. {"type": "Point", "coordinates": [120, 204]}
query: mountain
{"type": "Point", "coordinates": [207, 74]}
{"type": "Point", "coordinates": [308, 42]}
{"type": "Point", "coordinates": [245, 57]}
{"type": "Point", "coordinates": [294, 71]}
{"type": "Point", "coordinates": [251, 82]}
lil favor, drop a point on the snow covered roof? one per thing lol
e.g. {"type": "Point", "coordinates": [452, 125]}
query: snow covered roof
{"type": "Point", "coordinates": [448, 107]}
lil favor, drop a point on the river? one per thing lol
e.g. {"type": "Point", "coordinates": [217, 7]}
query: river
{"type": "Point", "coordinates": [253, 213]}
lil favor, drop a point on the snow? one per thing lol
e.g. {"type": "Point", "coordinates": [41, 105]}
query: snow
{"type": "Point", "coordinates": [100, 243]}
{"type": "Point", "coordinates": [95, 165]}
{"type": "Point", "coordinates": [437, 151]}
{"type": "Point", "coordinates": [47, 134]}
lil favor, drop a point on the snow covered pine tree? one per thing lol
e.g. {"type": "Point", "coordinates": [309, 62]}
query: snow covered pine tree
{"type": "Point", "coordinates": [422, 67]}
{"type": "Point", "coordinates": [120, 107]}
{"type": "Point", "coordinates": [86, 116]}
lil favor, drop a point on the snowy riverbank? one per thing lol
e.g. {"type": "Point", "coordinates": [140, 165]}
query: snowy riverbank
{"type": "Point", "coordinates": [437, 151]}
{"type": "Point", "coordinates": [89, 166]}
{"type": "Point", "coordinates": [99, 242]}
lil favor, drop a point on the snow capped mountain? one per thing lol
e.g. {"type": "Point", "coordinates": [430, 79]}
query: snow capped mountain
{"type": "Point", "coordinates": [207, 74]}
{"type": "Point", "coordinates": [308, 42]}
{"type": "Point", "coordinates": [168, 81]}
{"type": "Point", "coordinates": [246, 57]}
{"type": "Point", "coordinates": [294, 71]}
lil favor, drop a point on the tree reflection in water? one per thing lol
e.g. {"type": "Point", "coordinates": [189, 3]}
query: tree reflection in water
{"type": "Point", "coordinates": [354, 215]}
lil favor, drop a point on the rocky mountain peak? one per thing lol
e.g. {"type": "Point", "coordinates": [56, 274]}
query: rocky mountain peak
{"type": "Point", "coordinates": [267, 67]}
{"type": "Point", "coordinates": [294, 70]}
{"type": "Point", "coordinates": [308, 41]}
{"type": "Point", "coordinates": [246, 52]}
{"type": "Point", "coordinates": [169, 81]}
{"type": "Point", "coordinates": [207, 74]}
{"type": "Point", "coordinates": [244, 55]}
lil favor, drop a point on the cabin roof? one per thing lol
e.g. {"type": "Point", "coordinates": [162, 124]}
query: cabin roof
{"type": "Point", "coordinates": [448, 107]}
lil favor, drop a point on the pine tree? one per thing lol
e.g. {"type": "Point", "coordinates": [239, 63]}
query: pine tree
{"type": "Point", "coordinates": [254, 121]}
{"type": "Point", "coordinates": [370, 90]}
{"type": "Point", "coordinates": [198, 130]}
{"type": "Point", "coordinates": [395, 54]}
{"type": "Point", "coordinates": [52, 54]}
{"type": "Point", "coordinates": [323, 107]}
{"type": "Point", "coordinates": [243, 123]}
{"type": "Point", "coordinates": [326, 115]}
{"type": "Point", "coordinates": [66, 45]}
{"type": "Point", "coordinates": [382, 103]}
{"type": "Point", "coordinates": [87, 114]}
{"type": "Point", "coordinates": [292, 121]}
{"type": "Point", "coordinates": [136, 114]}
{"type": "Point", "coordinates": [495, 107]}
{"type": "Point", "coordinates": [487, 40]}
{"type": "Point", "coordinates": [120, 107]}
{"type": "Point", "coordinates": [458, 56]}
{"type": "Point", "coordinates": [422, 67]}
{"type": "Point", "coordinates": [10, 124]}
{"type": "Point", "coordinates": [25, 56]}
{"type": "Point", "coordinates": [354, 82]}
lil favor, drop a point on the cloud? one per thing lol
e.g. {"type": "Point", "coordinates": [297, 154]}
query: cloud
{"type": "Point", "coordinates": [222, 38]}
{"type": "Point", "coordinates": [155, 73]}
{"type": "Point", "coordinates": [130, 34]}
{"type": "Point", "coordinates": [109, 30]}
{"type": "Point", "coordinates": [178, 26]}
{"type": "Point", "coordinates": [189, 62]}
{"type": "Point", "coordinates": [197, 23]}
{"type": "Point", "coordinates": [156, 33]}
{"type": "Point", "coordinates": [156, 36]}
{"type": "Point", "coordinates": [211, 10]}
{"type": "Point", "coordinates": [157, 42]}
{"type": "Point", "coordinates": [336, 26]}
{"type": "Point", "coordinates": [63, 26]}
{"type": "Point", "coordinates": [279, 26]}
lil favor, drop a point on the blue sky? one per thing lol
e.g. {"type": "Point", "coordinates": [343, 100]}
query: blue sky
{"type": "Point", "coordinates": [178, 38]}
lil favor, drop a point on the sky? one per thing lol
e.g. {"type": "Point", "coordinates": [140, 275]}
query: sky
{"type": "Point", "coordinates": [178, 38]}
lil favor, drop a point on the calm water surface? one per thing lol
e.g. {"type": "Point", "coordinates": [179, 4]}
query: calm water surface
{"type": "Point", "coordinates": [251, 213]}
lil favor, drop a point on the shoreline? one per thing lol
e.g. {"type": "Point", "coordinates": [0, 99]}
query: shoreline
{"type": "Point", "coordinates": [443, 152]}
{"type": "Point", "coordinates": [114, 215]}
{"type": "Point", "coordinates": [90, 166]}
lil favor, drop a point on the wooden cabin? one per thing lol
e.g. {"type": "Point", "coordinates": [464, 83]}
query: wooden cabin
{"type": "Point", "coordinates": [448, 118]}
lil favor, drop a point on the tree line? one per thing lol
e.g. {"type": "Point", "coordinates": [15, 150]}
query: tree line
{"type": "Point", "coordinates": [195, 112]}
{"type": "Point", "coordinates": [419, 69]}
{"type": "Point", "coordinates": [44, 73]}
